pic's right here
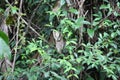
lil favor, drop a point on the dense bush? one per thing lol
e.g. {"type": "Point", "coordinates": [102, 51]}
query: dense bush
{"type": "Point", "coordinates": [60, 40]}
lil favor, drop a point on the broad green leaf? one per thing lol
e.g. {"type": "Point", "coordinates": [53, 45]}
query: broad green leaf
{"type": "Point", "coordinates": [4, 37]}
{"type": "Point", "coordinates": [90, 32]}
{"type": "Point", "coordinates": [4, 50]}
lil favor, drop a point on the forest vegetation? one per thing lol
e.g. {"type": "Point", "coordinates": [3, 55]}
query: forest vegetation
{"type": "Point", "coordinates": [59, 40]}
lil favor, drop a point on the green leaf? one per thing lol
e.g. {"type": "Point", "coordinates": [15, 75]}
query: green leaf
{"type": "Point", "coordinates": [4, 50]}
{"type": "Point", "coordinates": [118, 32]}
{"type": "Point", "coordinates": [105, 6]}
{"type": "Point", "coordinates": [72, 10]}
{"type": "Point", "coordinates": [79, 59]}
{"type": "Point", "coordinates": [89, 78]}
{"type": "Point", "coordinates": [67, 69]}
{"type": "Point", "coordinates": [62, 2]}
{"type": "Point", "coordinates": [79, 22]}
{"type": "Point", "coordinates": [46, 74]}
{"type": "Point", "coordinates": [32, 47]}
{"type": "Point", "coordinates": [1, 10]}
{"type": "Point", "coordinates": [90, 32]}
{"type": "Point", "coordinates": [55, 75]}
{"type": "Point", "coordinates": [14, 9]}
{"type": "Point", "coordinates": [86, 22]}
{"type": "Point", "coordinates": [113, 35]}
{"type": "Point", "coordinates": [4, 37]}
{"type": "Point", "coordinates": [72, 75]}
{"type": "Point", "coordinates": [115, 13]}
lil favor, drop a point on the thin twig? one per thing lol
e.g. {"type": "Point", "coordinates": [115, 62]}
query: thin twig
{"type": "Point", "coordinates": [36, 32]}
{"type": "Point", "coordinates": [17, 32]}
{"type": "Point", "coordinates": [34, 11]}
{"type": "Point", "coordinates": [80, 14]}
{"type": "Point", "coordinates": [30, 27]}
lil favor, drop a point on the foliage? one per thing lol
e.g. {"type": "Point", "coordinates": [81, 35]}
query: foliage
{"type": "Point", "coordinates": [4, 48]}
{"type": "Point", "coordinates": [88, 41]}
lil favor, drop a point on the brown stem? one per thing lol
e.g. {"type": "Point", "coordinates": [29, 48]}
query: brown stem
{"type": "Point", "coordinates": [17, 32]}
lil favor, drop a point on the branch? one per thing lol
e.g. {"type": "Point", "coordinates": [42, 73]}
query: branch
{"type": "Point", "coordinates": [17, 32]}
{"type": "Point", "coordinates": [34, 11]}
